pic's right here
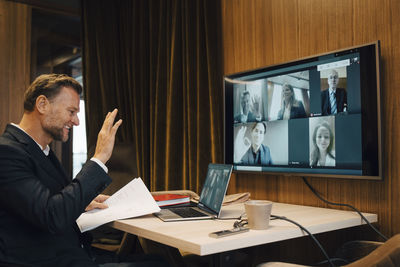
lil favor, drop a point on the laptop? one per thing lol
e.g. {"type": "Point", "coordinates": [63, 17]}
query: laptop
{"type": "Point", "coordinates": [211, 197]}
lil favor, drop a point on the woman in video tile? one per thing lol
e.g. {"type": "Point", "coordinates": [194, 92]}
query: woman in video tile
{"type": "Point", "coordinates": [322, 153]}
{"type": "Point", "coordinates": [291, 108]}
{"type": "Point", "coordinates": [258, 153]}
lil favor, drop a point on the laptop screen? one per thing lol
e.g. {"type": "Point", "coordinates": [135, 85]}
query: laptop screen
{"type": "Point", "coordinates": [215, 186]}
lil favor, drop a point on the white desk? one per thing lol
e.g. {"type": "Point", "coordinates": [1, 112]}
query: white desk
{"type": "Point", "coordinates": [192, 236]}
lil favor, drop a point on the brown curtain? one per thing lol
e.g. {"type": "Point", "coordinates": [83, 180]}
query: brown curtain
{"type": "Point", "coordinates": [160, 63]}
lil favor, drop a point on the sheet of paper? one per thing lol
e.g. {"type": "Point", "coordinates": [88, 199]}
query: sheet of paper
{"type": "Point", "coordinates": [132, 200]}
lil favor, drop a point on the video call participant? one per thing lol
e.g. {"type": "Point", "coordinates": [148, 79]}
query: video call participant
{"type": "Point", "coordinates": [208, 187]}
{"type": "Point", "coordinates": [290, 108]}
{"type": "Point", "coordinates": [246, 115]}
{"type": "Point", "coordinates": [39, 203]}
{"type": "Point", "coordinates": [322, 153]}
{"type": "Point", "coordinates": [257, 153]}
{"type": "Point", "coordinates": [217, 183]}
{"type": "Point", "coordinates": [333, 100]}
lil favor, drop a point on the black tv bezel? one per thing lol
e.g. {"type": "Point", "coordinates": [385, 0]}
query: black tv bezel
{"type": "Point", "coordinates": [378, 171]}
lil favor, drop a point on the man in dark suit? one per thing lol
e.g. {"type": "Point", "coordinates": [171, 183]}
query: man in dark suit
{"type": "Point", "coordinates": [39, 204]}
{"type": "Point", "coordinates": [257, 153]}
{"type": "Point", "coordinates": [251, 158]}
{"type": "Point", "coordinates": [246, 115]}
{"type": "Point", "coordinates": [333, 100]}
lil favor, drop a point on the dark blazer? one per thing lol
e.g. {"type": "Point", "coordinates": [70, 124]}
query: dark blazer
{"type": "Point", "coordinates": [248, 158]}
{"type": "Point", "coordinates": [296, 111]}
{"type": "Point", "coordinates": [39, 204]}
{"type": "Point", "coordinates": [250, 118]}
{"type": "Point", "coordinates": [341, 100]}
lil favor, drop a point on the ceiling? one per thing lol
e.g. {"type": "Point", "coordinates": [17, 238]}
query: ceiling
{"type": "Point", "coordinates": [66, 7]}
{"type": "Point", "coordinates": [57, 38]}
{"type": "Point", "coordinates": [56, 31]}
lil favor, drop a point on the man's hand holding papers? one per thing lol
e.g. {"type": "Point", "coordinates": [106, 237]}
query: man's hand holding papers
{"type": "Point", "coordinates": [133, 200]}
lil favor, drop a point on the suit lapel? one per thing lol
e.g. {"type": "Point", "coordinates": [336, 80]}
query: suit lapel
{"type": "Point", "coordinates": [53, 158]}
{"type": "Point", "coordinates": [49, 164]}
{"type": "Point", "coordinates": [327, 102]}
{"type": "Point", "coordinates": [262, 155]}
{"type": "Point", "coordinates": [250, 156]}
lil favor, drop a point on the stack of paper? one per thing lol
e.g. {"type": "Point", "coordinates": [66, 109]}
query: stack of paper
{"type": "Point", "coordinates": [132, 200]}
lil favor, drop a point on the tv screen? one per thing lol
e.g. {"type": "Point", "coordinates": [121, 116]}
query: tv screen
{"type": "Point", "coordinates": [317, 116]}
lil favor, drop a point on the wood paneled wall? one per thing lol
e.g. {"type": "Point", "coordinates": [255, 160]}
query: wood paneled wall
{"type": "Point", "coordinates": [15, 43]}
{"type": "Point", "coordinates": [259, 33]}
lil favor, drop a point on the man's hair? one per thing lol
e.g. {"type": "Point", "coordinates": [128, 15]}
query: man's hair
{"type": "Point", "coordinates": [334, 71]}
{"type": "Point", "coordinates": [244, 93]}
{"type": "Point", "coordinates": [48, 85]}
{"type": "Point", "coordinates": [263, 124]}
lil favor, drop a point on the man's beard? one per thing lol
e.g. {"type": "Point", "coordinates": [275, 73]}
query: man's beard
{"type": "Point", "coordinates": [56, 133]}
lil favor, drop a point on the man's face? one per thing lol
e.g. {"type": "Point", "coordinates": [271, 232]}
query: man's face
{"type": "Point", "coordinates": [333, 79]}
{"type": "Point", "coordinates": [62, 114]}
{"type": "Point", "coordinates": [246, 103]}
{"type": "Point", "coordinates": [258, 134]}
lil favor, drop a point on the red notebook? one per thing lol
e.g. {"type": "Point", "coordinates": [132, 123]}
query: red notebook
{"type": "Point", "coordinates": [171, 199]}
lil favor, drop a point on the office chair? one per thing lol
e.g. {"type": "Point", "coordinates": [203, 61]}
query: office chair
{"type": "Point", "coordinates": [385, 254]}
{"type": "Point", "coordinates": [121, 171]}
{"type": "Point", "coordinates": [111, 243]}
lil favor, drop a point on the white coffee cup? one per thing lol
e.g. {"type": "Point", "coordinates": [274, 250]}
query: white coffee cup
{"type": "Point", "coordinates": [258, 213]}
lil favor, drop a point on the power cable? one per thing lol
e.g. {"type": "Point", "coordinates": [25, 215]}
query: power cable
{"type": "Point", "coordinates": [344, 205]}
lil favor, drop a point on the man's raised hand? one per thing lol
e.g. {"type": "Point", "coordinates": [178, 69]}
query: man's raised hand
{"type": "Point", "coordinates": [106, 137]}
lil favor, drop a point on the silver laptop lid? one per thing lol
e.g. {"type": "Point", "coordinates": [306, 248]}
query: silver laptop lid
{"type": "Point", "coordinates": [214, 188]}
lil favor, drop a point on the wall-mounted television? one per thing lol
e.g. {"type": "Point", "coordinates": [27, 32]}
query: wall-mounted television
{"type": "Point", "coordinates": [316, 116]}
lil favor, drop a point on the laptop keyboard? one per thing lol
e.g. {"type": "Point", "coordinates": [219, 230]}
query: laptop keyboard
{"type": "Point", "coordinates": [188, 213]}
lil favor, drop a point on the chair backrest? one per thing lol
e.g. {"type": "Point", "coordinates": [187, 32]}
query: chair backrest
{"type": "Point", "coordinates": [386, 255]}
{"type": "Point", "coordinates": [121, 167]}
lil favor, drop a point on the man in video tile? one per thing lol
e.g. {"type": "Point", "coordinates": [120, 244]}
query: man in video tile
{"type": "Point", "coordinates": [333, 100]}
{"type": "Point", "coordinates": [246, 115]}
{"type": "Point", "coordinates": [257, 153]}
